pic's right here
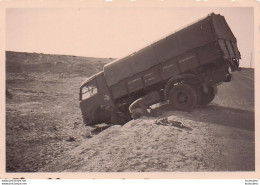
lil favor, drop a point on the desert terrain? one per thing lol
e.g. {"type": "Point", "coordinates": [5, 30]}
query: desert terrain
{"type": "Point", "coordinates": [45, 131]}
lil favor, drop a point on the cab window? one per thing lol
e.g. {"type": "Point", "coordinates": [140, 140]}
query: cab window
{"type": "Point", "coordinates": [88, 90]}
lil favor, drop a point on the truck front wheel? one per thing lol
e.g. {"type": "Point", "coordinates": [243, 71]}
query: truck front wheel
{"type": "Point", "coordinates": [183, 97]}
{"type": "Point", "coordinates": [87, 121]}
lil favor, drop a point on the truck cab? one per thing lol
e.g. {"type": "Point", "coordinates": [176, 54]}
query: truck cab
{"type": "Point", "coordinates": [95, 98]}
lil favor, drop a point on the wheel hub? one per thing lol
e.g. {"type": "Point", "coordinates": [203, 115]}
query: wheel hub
{"type": "Point", "coordinates": [182, 98]}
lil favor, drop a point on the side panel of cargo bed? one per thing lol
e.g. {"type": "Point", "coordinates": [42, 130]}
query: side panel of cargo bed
{"type": "Point", "coordinates": [206, 41]}
{"type": "Point", "coordinates": [188, 61]}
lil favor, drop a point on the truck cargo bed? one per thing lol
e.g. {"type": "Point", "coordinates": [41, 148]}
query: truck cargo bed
{"type": "Point", "coordinates": [212, 29]}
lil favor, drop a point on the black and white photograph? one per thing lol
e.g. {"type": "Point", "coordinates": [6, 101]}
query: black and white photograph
{"type": "Point", "coordinates": [131, 87]}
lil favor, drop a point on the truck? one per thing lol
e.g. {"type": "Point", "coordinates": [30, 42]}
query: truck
{"type": "Point", "coordinates": [187, 66]}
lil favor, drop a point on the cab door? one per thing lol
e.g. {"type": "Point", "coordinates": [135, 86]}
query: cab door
{"type": "Point", "coordinates": [89, 97]}
{"type": "Point", "coordinates": [103, 91]}
{"type": "Point", "coordinates": [94, 94]}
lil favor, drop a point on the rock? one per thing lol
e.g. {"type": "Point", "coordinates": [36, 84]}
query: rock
{"type": "Point", "coordinates": [71, 139]}
{"type": "Point", "coordinates": [76, 124]}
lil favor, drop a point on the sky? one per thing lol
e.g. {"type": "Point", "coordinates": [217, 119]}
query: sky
{"type": "Point", "coordinates": [114, 31]}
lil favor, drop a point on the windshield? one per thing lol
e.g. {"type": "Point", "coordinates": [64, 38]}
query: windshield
{"type": "Point", "coordinates": [88, 90]}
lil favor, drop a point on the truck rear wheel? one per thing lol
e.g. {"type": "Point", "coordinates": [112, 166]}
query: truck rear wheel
{"type": "Point", "coordinates": [183, 97]}
{"type": "Point", "coordinates": [206, 98]}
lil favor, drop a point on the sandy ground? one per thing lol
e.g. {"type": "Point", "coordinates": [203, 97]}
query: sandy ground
{"type": "Point", "coordinates": [44, 129]}
{"type": "Point", "coordinates": [143, 146]}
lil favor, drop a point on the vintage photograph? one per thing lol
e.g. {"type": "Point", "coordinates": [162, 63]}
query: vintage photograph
{"type": "Point", "coordinates": [136, 88]}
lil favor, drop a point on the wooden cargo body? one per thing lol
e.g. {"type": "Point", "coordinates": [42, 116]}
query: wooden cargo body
{"type": "Point", "coordinates": [201, 43]}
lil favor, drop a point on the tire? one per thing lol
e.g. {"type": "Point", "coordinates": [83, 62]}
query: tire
{"type": "Point", "coordinates": [117, 119]}
{"type": "Point", "coordinates": [97, 116]}
{"type": "Point", "coordinates": [183, 97]}
{"type": "Point", "coordinates": [206, 98]}
{"type": "Point", "coordinates": [87, 121]}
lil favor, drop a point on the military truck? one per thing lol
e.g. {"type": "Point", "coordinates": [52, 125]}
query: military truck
{"type": "Point", "coordinates": [186, 65]}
